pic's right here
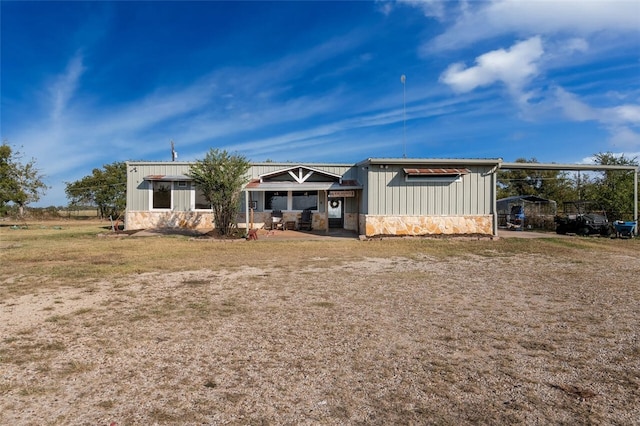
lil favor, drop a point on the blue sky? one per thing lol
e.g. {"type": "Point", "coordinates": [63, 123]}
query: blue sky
{"type": "Point", "coordinates": [85, 84]}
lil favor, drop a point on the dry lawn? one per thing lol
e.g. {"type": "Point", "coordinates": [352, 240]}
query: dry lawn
{"type": "Point", "coordinates": [171, 330]}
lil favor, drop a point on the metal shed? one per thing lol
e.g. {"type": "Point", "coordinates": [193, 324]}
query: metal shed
{"type": "Point", "coordinates": [525, 212]}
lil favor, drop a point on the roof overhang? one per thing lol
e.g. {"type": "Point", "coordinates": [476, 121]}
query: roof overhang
{"type": "Point", "coordinates": [256, 185]}
{"type": "Point", "coordinates": [296, 168]}
{"type": "Point", "coordinates": [429, 162]}
{"type": "Point", "coordinates": [436, 172]}
{"type": "Point", "coordinates": [569, 167]}
{"type": "Point", "coordinates": [167, 178]}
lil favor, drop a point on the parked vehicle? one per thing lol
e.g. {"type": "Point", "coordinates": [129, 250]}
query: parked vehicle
{"type": "Point", "coordinates": [583, 218]}
{"type": "Point", "coordinates": [624, 229]}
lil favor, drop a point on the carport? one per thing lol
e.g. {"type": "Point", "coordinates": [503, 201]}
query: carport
{"type": "Point", "coordinates": [581, 167]}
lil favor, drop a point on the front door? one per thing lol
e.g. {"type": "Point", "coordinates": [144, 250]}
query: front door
{"type": "Point", "coordinates": [336, 212]}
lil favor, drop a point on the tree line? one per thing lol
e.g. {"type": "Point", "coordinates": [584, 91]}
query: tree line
{"type": "Point", "coordinates": [611, 190]}
{"type": "Point", "coordinates": [21, 182]}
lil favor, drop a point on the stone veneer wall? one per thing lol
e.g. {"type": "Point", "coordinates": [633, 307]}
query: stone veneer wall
{"type": "Point", "coordinates": [204, 220]}
{"type": "Point", "coordinates": [148, 219]}
{"type": "Point", "coordinates": [426, 225]}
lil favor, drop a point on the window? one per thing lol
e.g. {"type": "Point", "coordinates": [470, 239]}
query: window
{"type": "Point", "coordinates": [201, 202]}
{"type": "Point", "coordinates": [161, 195]}
{"type": "Point", "coordinates": [302, 200]}
{"type": "Point", "coordinates": [275, 200]}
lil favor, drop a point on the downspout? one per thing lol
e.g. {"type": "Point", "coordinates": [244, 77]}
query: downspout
{"type": "Point", "coordinates": [494, 200]}
{"type": "Point", "coordinates": [494, 196]}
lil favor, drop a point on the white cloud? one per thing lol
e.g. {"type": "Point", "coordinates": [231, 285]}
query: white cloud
{"type": "Point", "coordinates": [572, 107]}
{"type": "Point", "coordinates": [526, 18]}
{"type": "Point", "coordinates": [514, 67]}
{"type": "Point", "coordinates": [65, 86]}
{"type": "Point", "coordinates": [624, 137]}
{"type": "Point", "coordinates": [575, 109]}
{"type": "Point", "coordinates": [619, 120]}
{"type": "Point", "coordinates": [576, 45]}
{"type": "Point", "coordinates": [385, 7]}
{"type": "Point", "coordinates": [626, 113]}
{"type": "Point", "coordinates": [430, 8]}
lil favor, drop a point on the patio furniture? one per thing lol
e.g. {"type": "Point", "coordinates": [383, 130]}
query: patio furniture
{"type": "Point", "coordinates": [306, 220]}
{"type": "Point", "coordinates": [276, 220]}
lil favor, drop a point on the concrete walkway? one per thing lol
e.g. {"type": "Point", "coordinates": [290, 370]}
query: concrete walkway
{"type": "Point", "coordinates": [507, 233]}
{"type": "Point", "coordinates": [262, 234]}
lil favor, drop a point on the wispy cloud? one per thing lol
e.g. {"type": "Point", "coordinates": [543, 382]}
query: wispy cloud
{"type": "Point", "coordinates": [327, 94]}
{"type": "Point", "coordinates": [622, 121]}
{"type": "Point", "coordinates": [225, 105]}
{"type": "Point", "coordinates": [430, 8]}
{"type": "Point", "coordinates": [526, 18]}
{"type": "Point", "coordinates": [65, 86]}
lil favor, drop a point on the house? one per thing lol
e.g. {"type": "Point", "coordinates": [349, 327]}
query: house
{"type": "Point", "coordinates": [376, 196]}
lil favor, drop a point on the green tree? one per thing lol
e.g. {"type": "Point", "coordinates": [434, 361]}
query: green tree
{"type": "Point", "coordinates": [8, 184]}
{"type": "Point", "coordinates": [20, 183]}
{"type": "Point", "coordinates": [220, 176]}
{"type": "Point", "coordinates": [612, 189]}
{"type": "Point", "coordinates": [550, 184]}
{"type": "Point", "coordinates": [105, 188]}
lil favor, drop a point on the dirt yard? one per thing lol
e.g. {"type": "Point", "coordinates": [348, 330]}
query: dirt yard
{"type": "Point", "coordinates": [346, 333]}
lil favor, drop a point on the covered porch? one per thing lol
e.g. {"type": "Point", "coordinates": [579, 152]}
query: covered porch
{"type": "Point", "coordinates": [334, 203]}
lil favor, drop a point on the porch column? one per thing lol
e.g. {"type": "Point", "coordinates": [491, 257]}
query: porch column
{"type": "Point", "coordinates": [326, 210]}
{"type": "Point", "coordinates": [494, 200]}
{"type": "Point", "coordinates": [358, 211]}
{"type": "Point", "coordinates": [246, 209]}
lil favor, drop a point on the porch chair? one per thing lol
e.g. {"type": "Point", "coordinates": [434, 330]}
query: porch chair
{"type": "Point", "coordinates": [276, 220]}
{"type": "Point", "coordinates": [306, 220]}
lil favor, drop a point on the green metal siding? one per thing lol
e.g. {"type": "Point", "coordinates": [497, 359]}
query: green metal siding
{"type": "Point", "coordinates": [138, 188]}
{"type": "Point", "coordinates": [389, 194]}
{"type": "Point", "coordinates": [385, 190]}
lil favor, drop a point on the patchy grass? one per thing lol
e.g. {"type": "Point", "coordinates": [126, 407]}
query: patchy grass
{"type": "Point", "coordinates": [394, 331]}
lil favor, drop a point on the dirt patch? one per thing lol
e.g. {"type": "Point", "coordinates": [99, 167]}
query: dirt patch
{"type": "Point", "coordinates": [463, 339]}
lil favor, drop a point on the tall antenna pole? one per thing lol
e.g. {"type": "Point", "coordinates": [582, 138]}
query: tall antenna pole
{"type": "Point", "coordinates": [403, 80]}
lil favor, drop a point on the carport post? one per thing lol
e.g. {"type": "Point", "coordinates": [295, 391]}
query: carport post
{"type": "Point", "coordinates": [494, 201]}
